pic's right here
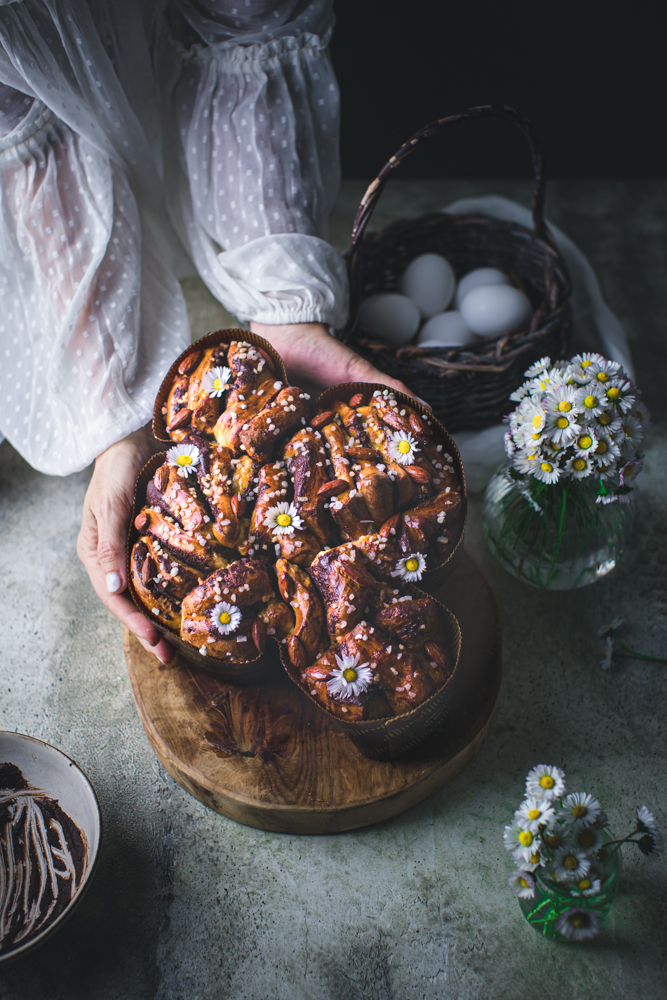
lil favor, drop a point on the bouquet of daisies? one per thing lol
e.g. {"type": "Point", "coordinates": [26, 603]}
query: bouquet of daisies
{"type": "Point", "coordinates": [562, 842]}
{"type": "Point", "coordinates": [578, 420]}
{"type": "Point", "coordinates": [573, 445]}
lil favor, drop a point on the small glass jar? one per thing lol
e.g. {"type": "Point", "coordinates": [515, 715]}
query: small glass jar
{"type": "Point", "coordinates": [554, 535]}
{"type": "Point", "coordinates": [553, 899]}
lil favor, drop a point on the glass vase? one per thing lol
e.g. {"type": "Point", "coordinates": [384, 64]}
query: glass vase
{"type": "Point", "coordinates": [552, 899]}
{"type": "Point", "coordinates": [554, 535]}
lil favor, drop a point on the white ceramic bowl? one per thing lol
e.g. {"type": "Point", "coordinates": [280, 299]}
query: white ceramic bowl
{"type": "Point", "coordinates": [45, 767]}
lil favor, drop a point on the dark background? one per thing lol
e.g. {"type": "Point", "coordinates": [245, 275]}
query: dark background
{"type": "Point", "coordinates": [590, 77]}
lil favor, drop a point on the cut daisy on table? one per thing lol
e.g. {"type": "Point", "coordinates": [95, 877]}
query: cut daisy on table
{"type": "Point", "coordinates": [185, 457]}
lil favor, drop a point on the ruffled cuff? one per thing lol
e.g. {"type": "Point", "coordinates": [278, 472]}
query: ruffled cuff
{"type": "Point", "coordinates": [284, 278]}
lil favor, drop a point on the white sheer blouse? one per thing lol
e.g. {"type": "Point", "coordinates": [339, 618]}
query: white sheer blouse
{"type": "Point", "coordinates": [234, 114]}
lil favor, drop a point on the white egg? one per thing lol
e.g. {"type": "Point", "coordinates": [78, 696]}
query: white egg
{"type": "Point", "coordinates": [495, 309]}
{"type": "Point", "coordinates": [447, 329]}
{"type": "Point", "coordinates": [429, 281]}
{"type": "Point", "coordinates": [478, 278]}
{"type": "Point", "coordinates": [393, 317]}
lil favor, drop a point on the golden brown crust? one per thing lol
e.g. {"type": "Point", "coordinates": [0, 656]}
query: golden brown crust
{"type": "Point", "coordinates": [197, 548]}
{"type": "Point", "coordinates": [421, 524]}
{"type": "Point", "coordinates": [160, 605]}
{"type": "Point", "coordinates": [180, 499]}
{"type": "Point", "coordinates": [287, 411]}
{"type": "Point", "coordinates": [298, 590]}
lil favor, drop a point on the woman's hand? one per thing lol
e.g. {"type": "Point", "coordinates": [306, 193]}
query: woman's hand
{"type": "Point", "coordinates": [102, 539]}
{"type": "Point", "coordinates": [312, 355]}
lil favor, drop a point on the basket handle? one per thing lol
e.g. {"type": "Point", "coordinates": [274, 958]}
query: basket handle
{"type": "Point", "coordinates": [373, 192]}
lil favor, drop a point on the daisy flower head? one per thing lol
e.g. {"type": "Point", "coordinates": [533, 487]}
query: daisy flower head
{"type": "Point", "coordinates": [588, 838]}
{"type": "Point", "coordinates": [521, 842]}
{"type": "Point", "coordinates": [522, 884]}
{"type": "Point", "coordinates": [620, 394]}
{"type": "Point", "coordinates": [525, 461]}
{"type": "Point", "coordinates": [534, 813]}
{"type": "Point", "coordinates": [519, 393]}
{"type": "Point", "coordinates": [214, 382]}
{"type": "Point", "coordinates": [562, 399]}
{"type": "Point", "coordinates": [226, 618]}
{"type": "Point", "coordinates": [538, 368]}
{"type": "Point", "coordinates": [608, 422]}
{"type": "Point", "coordinates": [586, 443]}
{"type": "Point", "coordinates": [580, 809]}
{"type": "Point", "coordinates": [579, 466]}
{"type": "Point", "coordinates": [563, 428]}
{"type": "Point", "coordinates": [578, 924]}
{"type": "Point", "coordinates": [591, 400]}
{"type": "Point", "coordinates": [403, 447]}
{"type": "Point", "coordinates": [185, 457]}
{"type": "Point", "coordinates": [587, 887]}
{"type": "Point", "coordinates": [652, 842]}
{"type": "Point", "coordinates": [642, 414]}
{"type": "Point", "coordinates": [546, 782]}
{"type": "Point", "coordinates": [629, 472]}
{"type": "Point", "coordinates": [631, 434]}
{"type": "Point", "coordinates": [606, 452]}
{"type": "Point", "coordinates": [546, 472]}
{"type": "Point", "coordinates": [283, 519]}
{"type": "Point", "coordinates": [349, 678]}
{"type": "Point", "coordinates": [531, 863]}
{"type": "Point", "coordinates": [606, 370]}
{"type": "Point", "coordinates": [548, 379]}
{"type": "Point", "coordinates": [410, 567]}
{"type": "Point", "coordinates": [510, 446]}
{"type": "Point", "coordinates": [571, 863]}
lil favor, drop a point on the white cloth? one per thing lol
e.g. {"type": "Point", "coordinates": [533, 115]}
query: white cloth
{"type": "Point", "coordinates": [483, 451]}
{"type": "Point", "coordinates": [92, 314]}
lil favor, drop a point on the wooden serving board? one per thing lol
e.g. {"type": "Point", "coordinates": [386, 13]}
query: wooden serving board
{"type": "Point", "coordinates": [267, 757]}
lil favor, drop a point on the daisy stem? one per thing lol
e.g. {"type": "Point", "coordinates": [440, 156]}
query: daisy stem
{"type": "Point", "coordinates": [560, 533]}
{"type": "Point", "coordinates": [632, 654]}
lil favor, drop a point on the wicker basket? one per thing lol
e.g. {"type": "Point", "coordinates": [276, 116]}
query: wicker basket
{"type": "Point", "coordinates": [470, 386]}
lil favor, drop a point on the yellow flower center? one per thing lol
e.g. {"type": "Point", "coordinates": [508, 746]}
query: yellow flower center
{"type": "Point", "coordinates": [534, 859]}
{"type": "Point", "coordinates": [570, 862]}
{"type": "Point", "coordinates": [404, 447]}
{"type": "Point", "coordinates": [562, 422]}
{"type": "Point", "coordinates": [523, 883]}
{"type": "Point", "coordinates": [525, 838]}
{"type": "Point", "coordinates": [537, 421]}
{"type": "Point", "coordinates": [584, 883]}
{"type": "Point", "coordinates": [585, 441]}
{"type": "Point", "coordinates": [350, 674]}
{"type": "Point", "coordinates": [224, 618]}
{"type": "Point", "coordinates": [586, 364]}
{"type": "Point", "coordinates": [283, 520]}
{"type": "Point", "coordinates": [602, 377]}
{"type": "Point", "coordinates": [218, 384]}
{"type": "Point", "coordinates": [579, 920]}
{"type": "Point", "coordinates": [546, 781]}
{"type": "Point", "coordinates": [604, 419]}
{"type": "Point", "coordinates": [586, 839]}
{"type": "Point", "coordinates": [602, 447]}
{"type": "Point", "coordinates": [411, 565]}
{"type": "Point", "coordinates": [553, 840]}
{"type": "Point", "coordinates": [579, 811]}
{"type": "Point", "coordinates": [590, 402]}
{"type": "Point", "coordinates": [613, 392]}
{"type": "Point", "coordinates": [183, 460]}
{"type": "Point", "coordinates": [565, 406]}
{"type": "Point", "coordinates": [534, 813]}
{"type": "Point", "coordinates": [579, 464]}
{"type": "Point", "coordinates": [536, 437]}
{"type": "Point", "coordinates": [545, 467]}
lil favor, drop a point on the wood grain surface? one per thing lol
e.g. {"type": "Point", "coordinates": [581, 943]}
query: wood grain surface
{"type": "Point", "coordinates": [265, 756]}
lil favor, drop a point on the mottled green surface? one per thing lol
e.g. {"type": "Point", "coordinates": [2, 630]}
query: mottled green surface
{"type": "Point", "coordinates": [190, 906]}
